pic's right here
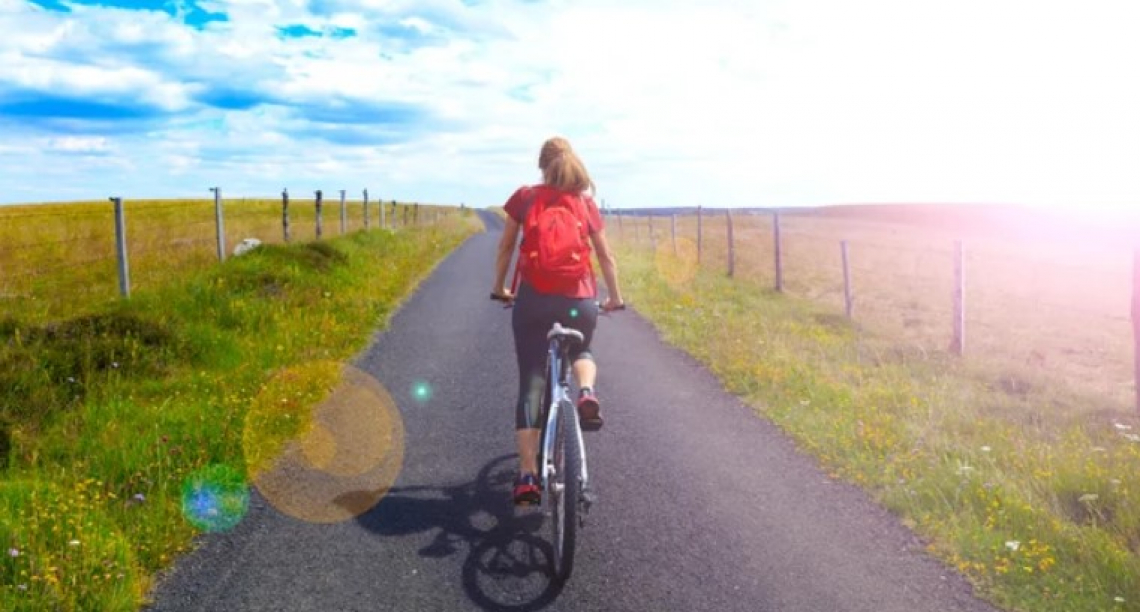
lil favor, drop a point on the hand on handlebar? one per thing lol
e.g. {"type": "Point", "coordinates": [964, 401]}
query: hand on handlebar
{"type": "Point", "coordinates": [504, 296]}
{"type": "Point", "coordinates": [610, 305]}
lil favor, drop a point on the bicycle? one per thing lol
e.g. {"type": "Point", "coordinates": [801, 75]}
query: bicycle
{"type": "Point", "coordinates": [563, 474]}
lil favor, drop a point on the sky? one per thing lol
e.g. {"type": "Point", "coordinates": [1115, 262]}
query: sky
{"type": "Point", "coordinates": [722, 103]}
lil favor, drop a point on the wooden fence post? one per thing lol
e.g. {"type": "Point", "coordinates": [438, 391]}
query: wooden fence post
{"type": "Point", "coordinates": [343, 214]}
{"type": "Point", "coordinates": [731, 245]}
{"type": "Point", "coordinates": [674, 224]}
{"type": "Point", "coordinates": [1136, 318]}
{"type": "Point", "coordinates": [285, 213]}
{"type": "Point", "coordinates": [367, 223]}
{"type": "Point", "coordinates": [848, 303]}
{"type": "Point", "coordinates": [778, 249]}
{"type": "Point", "coordinates": [319, 195]}
{"type": "Point", "coordinates": [958, 345]}
{"type": "Point", "coordinates": [121, 248]}
{"type": "Point", "coordinates": [700, 233]}
{"type": "Point", "coordinates": [219, 223]}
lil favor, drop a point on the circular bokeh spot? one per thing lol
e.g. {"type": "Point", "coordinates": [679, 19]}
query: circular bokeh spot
{"type": "Point", "coordinates": [215, 498]}
{"type": "Point", "coordinates": [335, 454]}
{"type": "Point", "coordinates": [421, 391]}
{"type": "Point", "coordinates": [573, 313]}
{"type": "Point", "coordinates": [678, 267]}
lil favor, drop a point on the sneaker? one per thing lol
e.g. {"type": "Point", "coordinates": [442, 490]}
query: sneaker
{"type": "Point", "coordinates": [527, 492]}
{"type": "Point", "coordinates": [589, 411]}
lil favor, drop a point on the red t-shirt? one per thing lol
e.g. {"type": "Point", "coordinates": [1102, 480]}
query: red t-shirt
{"type": "Point", "coordinates": [518, 204]}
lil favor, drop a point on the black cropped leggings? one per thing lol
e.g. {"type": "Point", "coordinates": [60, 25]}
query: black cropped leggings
{"type": "Point", "coordinates": [533, 315]}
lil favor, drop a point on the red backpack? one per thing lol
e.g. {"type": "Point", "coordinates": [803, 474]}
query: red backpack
{"type": "Point", "coordinates": [555, 251]}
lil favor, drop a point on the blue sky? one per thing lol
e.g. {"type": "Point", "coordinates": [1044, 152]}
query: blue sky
{"type": "Point", "coordinates": [721, 103]}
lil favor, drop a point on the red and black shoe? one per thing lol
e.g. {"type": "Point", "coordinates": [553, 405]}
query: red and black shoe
{"type": "Point", "coordinates": [527, 491]}
{"type": "Point", "coordinates": [589, 411]}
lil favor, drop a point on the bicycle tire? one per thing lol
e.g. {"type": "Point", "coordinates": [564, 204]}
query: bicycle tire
{"type": "Point", "coordinates": [568, 474]}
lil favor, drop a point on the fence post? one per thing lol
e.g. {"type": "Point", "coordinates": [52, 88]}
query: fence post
{"type": "Point", "coordinates": [621, 226]}
{"type": "Point", "coordinates": [847, 301]}
{"type": "Point", "coordinates": [652, 236]}
{"type": "Point", "coordinates": [674, 224]}
{"type": "Point", "coordinates": [779, 256]}
{"type": "Point", "coordinates": [285, 213]}
{"type": "Point", "coordinates": [405, 214]}
{"type": "Point", "coordinates": [219, 223]}
{"type": "Point", "coordinates": [700, 234]}
{"type": "Point", "coordinates": [415, 213]}
{"type": "Point", "coordinates": [383, 220]}
{"type": "Point", "coordinates": [366, 220]}
{"type": "Point", "coordinates": [343, 214]}
{"type": "Point", "coordinates": [393, 214]}
{"type": "Point", "coordinates": [731, 244]}
{"type": "Point", "coordinates": [1136, 318]}
{"type": "Point", "coordinates": [958, 345]}
{"type": "Point", "coordinates": [121, 248]}
{"type": "Point", "coordinates": [319, 196]}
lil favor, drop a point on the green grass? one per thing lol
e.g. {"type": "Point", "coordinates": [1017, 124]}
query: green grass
{"type": "Point", "coordinates": [1005, 473]}
{"type": "Point", "coordinates": [116, 421]}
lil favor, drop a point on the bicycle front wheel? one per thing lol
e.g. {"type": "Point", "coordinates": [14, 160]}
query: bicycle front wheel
{"type": "Point", "coordinates": [567, 488]}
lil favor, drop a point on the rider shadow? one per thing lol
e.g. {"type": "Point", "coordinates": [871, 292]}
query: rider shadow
{"type": "Point", "coordinates": [506, 569]}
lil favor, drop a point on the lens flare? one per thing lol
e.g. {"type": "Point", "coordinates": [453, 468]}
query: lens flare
{"type": "Point", "coordinates": [573, 313]}
{"type": "Point", "coordinates": [333, 456]}
{"type": "Point", "coordinates": [421, 391]}
{"type": "Point", "coordinates": [215, 498]}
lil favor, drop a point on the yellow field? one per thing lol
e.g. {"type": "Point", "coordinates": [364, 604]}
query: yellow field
{"type": "Point", "coordinates": [1039, 303]}
{"type": "Point", "coordinates": [60, 259]}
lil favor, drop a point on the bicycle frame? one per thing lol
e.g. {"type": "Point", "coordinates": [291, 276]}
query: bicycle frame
{"type": "Point", "coordinates": [558, 389]}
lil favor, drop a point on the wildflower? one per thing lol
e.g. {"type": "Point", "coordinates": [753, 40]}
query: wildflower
{"type": "Point", "coordinates": [139, 497]}
{"type": "Point", "coordinates": [13, 552]}
{"type": "Point", "coordinates": [114, 364]}
{"type": "Point", "coordinates": [73, 543]}
{"type": "Point", "coordinates": [986, 449]}
{"type": "Point", "coordinates": [1099, 449]}
{"type": "Point", "coordinates": [964, 468]}
{"type": "Point", "coordinates": [1131, 437]}
{"type": "Point", "coordinates": [1122, 426]}
{"type": "Point", "coordinates": [1013, 545]}
{"type": "Point", "coordinates": [1119, 599]}
{"type": "Point", "coordinates": [22, 587]}
{"type": "Point", "coordinates": [70, 379]}
{"type": "Point", "coordinates": [1088, 498]}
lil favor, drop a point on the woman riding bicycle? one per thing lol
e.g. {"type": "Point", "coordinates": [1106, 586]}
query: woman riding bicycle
{"type": "Point", "coordinates": [573, 305]}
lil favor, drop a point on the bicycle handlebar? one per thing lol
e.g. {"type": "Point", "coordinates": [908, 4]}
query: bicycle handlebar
{"type": "Point", "coordinates": [510, 302]}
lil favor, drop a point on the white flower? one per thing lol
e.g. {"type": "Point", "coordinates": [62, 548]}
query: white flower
{"type": "Point", "coordinates": [1131, 437]}
{"type": "Point", "coordinates": [1122, 426]}
{"type": "Point", "coordinates": [1013, 545]}
{"type": "Point", "coordinates": [73, 543]}
{"type": "Point", "coordinates": [1119, 599]}
{"type": "Point", "coordinates": [986, 449]}
{"type": "Point", "coordinates": [1088, 497]}
{"type": "Point", "coordinates": [13, 552]}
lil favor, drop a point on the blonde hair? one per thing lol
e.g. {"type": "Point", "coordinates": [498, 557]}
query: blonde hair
{"type": "Point", "coordinates": [561, 167]}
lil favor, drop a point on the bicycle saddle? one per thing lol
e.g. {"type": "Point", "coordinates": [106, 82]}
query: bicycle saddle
{"type": "Point", "coordinates": [564, 332]}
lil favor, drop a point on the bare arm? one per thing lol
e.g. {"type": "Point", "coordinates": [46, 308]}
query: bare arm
{"type": "Point", "coordinates": [609, 267]}
{"type": "Point", "coordinates": [503, 259]}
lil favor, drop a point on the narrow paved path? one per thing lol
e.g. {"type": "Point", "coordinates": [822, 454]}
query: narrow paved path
{"type": "Point", "coordinates": [702, 505]}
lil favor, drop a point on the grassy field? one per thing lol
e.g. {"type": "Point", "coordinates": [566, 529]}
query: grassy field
{"type": "Point", "coordinates": [127, 427]}
{"type": "Point", "coordinates": [1019, 463]}
{"type": "Point", "coordinates": [58, 259]}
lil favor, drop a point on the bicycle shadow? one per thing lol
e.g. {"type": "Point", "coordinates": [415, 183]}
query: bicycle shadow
{"type": "Point", "coordinates": [506, 569]}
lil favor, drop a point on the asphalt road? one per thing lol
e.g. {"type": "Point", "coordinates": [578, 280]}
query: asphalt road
{"type": "Point", "coordinates": [701, 504]}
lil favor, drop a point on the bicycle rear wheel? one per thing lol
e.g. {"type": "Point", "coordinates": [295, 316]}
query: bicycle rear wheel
{"type": "Point", "coordinates": [567, 489]}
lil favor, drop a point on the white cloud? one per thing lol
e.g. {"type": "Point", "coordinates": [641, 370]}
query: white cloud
{"type": "Point", "coordinates": [744, 103]}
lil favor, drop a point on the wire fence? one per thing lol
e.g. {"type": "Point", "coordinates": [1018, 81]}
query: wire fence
{"type": "Point", "coordinates": [63, 259]}
{"type": "Point", "coordinates": [1064, 310]}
